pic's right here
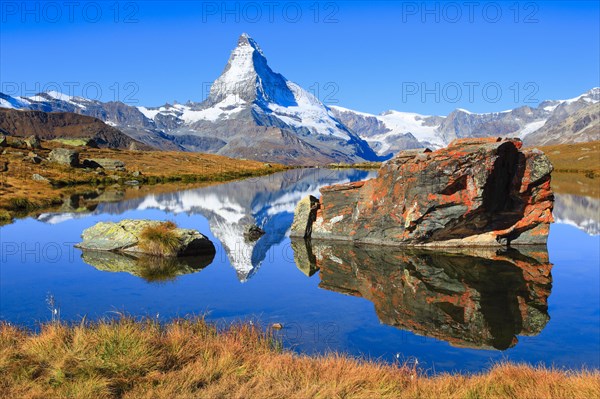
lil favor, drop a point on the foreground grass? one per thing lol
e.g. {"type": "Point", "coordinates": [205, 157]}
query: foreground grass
{"type": "Point", "coordinates": [192, 359]}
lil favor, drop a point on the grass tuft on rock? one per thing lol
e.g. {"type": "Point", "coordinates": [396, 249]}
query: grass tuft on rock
{"type": "Point", "coordinates": [160, 239]}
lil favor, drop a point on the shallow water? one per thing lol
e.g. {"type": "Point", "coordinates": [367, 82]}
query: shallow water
{"type": "Point", "coordinates": [451, 311]}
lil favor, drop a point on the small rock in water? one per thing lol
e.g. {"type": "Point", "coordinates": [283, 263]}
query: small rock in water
{"type": "Point", "coordinates": [253, 232]}
{"type": "Point", "coordinates": [276, 326]}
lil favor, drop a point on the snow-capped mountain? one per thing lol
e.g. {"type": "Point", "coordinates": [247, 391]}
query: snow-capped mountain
{"type": "Point", "coordinates": [578, 211]}
{"type": "Point", "coordinates": [127, 119]}
{"type": "Point", "coordinates": [253, 112]}
{"type": "Point", "coordinates": [392, 131]}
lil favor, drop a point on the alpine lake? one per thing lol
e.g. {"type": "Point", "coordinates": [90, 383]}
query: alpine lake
{"type": "Point", "coordinates": [453, 310]}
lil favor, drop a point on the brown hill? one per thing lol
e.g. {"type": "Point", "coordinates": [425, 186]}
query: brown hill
{"type": "Point", "coordinates": [52, 125]}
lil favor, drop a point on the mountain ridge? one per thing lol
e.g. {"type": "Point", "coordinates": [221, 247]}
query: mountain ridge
{"type": "Point", "coordinates": [256, 113]}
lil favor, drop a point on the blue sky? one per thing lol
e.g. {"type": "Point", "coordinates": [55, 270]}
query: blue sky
{"type": "Point", "coordinates": [411, 56]}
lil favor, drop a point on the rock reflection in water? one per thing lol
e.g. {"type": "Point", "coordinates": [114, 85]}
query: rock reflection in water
{"type": "Point", "coordinates": [150, 268]}
{"type": "Point", "coordinates": [478, 298]}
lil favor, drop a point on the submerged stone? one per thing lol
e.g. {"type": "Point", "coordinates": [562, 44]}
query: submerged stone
{"type": "Point", "coordinates": [475, 192]}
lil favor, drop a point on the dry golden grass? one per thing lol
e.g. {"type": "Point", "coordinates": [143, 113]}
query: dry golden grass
{"type": "Point", "coordinates": [160, 240]}
{"type": "Point", "coordinates": [575, 158]}
{"type": "Point", "coordinates": [576, 184]}
{"type": "Point", "coordinates": [191, 359]}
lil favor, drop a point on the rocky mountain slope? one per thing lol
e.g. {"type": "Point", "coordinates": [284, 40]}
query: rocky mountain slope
{"type": "Point", "coordinates": [551, 122]}
{"type": "Point", "coordinates": [53, 125]}
{"type": "Point", "coordinates": [126, 118]}
{"type": "Point", "coordinates": [580, 126]}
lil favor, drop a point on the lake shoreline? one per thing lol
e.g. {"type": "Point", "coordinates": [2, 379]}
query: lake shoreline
{"type": "Point", "coordinates": [193, 358]}
{"type": "Point", "coordinates": [27, 187]}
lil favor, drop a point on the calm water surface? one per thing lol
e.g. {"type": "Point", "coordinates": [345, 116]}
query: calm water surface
{"type": "Point", "coordinates": [451, 311]}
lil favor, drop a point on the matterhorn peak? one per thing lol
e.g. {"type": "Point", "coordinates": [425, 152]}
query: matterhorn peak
{"type": "Point", "coordinates": [247, 78]}
{"type": "Point", "coordinates": [246, 40]}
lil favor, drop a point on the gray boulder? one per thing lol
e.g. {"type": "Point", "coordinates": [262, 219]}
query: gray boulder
{"type": "Point", "coordinates": [3, 142]}
{"type": "Point", "coordinates": [33, 142]}
{"type": "Point", "coordinates": [304, 216]}
{"type": "Point", "coordinates": [128, 236]}
{"type": "Point", "coordinates": [104, 163]}
{"type": "Point", "coordinates": [64, 156]}
{"type": "Point", "coordinates": [38, 177]}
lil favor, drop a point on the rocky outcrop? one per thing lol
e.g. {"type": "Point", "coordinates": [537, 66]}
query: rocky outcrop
{"type": "Point", "coordinates": [481, 298]}
{"type": "Point", "coordinates": [64, 156]}
{"type": "Point", "coordinates": [127, 236]}
{"type": "Point", "coordinates": [33, 142]}
{"type": "Point", "coordinates": [104, 163]}
{"type": "Point", "coordinates": [475, 192]}
{"type": "Point", "coordinates": [581, 126]}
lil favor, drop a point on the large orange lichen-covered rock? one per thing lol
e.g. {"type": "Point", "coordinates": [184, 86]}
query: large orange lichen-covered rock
{"type": "Point", "coordinates": [473, 192]}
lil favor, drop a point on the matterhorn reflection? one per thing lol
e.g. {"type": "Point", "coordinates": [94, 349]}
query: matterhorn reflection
{"type": "Point", "coordinates": [267, 202]}
{"type": "Point", "coordinates": [478, 298]}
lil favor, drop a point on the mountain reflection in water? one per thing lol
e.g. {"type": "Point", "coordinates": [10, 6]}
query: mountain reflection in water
{"type": "Point", "coordinates": [478, 298]}
{"type": "Point", "coordinates": [269, 203]}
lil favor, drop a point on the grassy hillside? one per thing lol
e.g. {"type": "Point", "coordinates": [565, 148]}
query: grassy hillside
{"type": "Point", "coordinates": [575, 158]}
{"type": "Point", "coordinates": [192, 359]}
{"type": "Point", "coordinates": [19, 192]}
